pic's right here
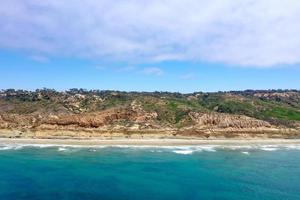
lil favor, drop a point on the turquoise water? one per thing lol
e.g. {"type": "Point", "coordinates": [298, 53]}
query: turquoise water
{"type": "Point", "coordinates": [206, 172]}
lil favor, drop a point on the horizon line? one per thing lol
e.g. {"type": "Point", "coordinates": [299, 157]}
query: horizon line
{"type": "Point", "coordinates": [154, 91]}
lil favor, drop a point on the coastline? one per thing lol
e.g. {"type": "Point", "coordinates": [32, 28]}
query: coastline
{"type": "Point", "coordinates": [147, 142]}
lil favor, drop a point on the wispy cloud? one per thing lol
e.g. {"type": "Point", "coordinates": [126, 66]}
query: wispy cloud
{"type": "Point", "coordinates": [259, 33]}
{"type": "Point", "coordinates": [152, 71]}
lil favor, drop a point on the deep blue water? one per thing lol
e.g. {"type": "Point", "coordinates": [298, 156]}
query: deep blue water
{"type": "Point", "coordinates": [149, 173]}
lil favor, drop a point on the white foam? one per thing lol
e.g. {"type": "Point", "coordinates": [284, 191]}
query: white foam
{"type": "Point", "coordinates": [18, 147]}
{"type": "Point", "coordinates": [245, 152]}
{"type": "Point", "coordinates": [269, 149]}
{"type": "Point", "coordinates": [208, 148]}
{"type": "Point", "coordinates": [11, 147]}
{"type": "Point", "coordinates": [184, 152]}
{"type": "Point", "coordinates": [6, 148]}
{"type": "Point", "coordinates": [237, 147]}
{"type": "Point", "coordinates": [184, 149]}
{"type": "Point", "coordinates": [293, 147]}
{"type": "Point", "coordinates": [62, 149]}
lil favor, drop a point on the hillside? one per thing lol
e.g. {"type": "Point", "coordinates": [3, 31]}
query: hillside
{"type": "Point", "coordinates": [80, 113]}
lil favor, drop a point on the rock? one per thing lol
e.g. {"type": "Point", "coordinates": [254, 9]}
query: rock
{"type": "Point", "coordinates": [220, 120]}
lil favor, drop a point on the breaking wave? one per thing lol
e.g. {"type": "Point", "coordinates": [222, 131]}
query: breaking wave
{"type": "Point", "coordinates": [62, 149]}
{"type": "Point", "coordinates": [184, 150]}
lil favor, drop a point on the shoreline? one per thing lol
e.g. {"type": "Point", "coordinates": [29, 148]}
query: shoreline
{"type": "Point", "coordinates": [147, 142]}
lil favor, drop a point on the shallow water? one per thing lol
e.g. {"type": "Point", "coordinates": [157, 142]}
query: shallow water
{"type": "Point", "coordinates": [122, 172]}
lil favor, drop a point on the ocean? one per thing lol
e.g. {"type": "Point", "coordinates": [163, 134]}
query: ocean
{"type": "Point", "coordinates": [37, 172]}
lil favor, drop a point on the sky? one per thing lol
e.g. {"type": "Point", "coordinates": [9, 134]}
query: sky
{"type": "Point", "coordinates": [158, 45]}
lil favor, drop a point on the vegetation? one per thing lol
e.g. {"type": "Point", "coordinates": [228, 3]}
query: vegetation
{"type": "Point", "coordinates": [275, 106]}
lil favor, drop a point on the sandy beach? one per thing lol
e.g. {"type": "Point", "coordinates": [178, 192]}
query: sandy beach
{"type": "Point", "coordinates": [149, 142]}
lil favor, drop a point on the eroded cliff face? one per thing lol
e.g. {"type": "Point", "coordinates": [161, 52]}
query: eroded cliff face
{"type": "Point", "coordinates": [220, 120]}
{"type": "Point", "coordinates": [122, 116]}
{"type": "Point", "coordinates": [84, 116]}
{"type": "Point", "coordinates": [124, 122]}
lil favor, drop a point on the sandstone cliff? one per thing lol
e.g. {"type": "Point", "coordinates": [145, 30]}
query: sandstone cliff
{"type": "Point", "coordinates": [48, 114]}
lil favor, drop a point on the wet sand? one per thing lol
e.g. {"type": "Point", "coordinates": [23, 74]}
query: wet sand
{"type": "Point", "coordinates": [148, 142]}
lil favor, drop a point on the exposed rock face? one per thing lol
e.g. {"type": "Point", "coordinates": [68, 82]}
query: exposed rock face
{"type": "Point", "coordinates": [142, 116]}
{"type": "Point", "coordinates": [90, 120]}
{"type": "Point", "coordinates": [219, 120]}
{"type": "Point", "coordinates": [130, 120]}
{"type": "Point", "coordinates": [15, 121]}
{"type": "Point", "coordinates": [134, 116]}
{"type": "Point", "coordinates": [277, 94]}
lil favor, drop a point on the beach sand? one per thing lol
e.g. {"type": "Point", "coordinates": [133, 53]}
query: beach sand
{"type": "Point", "coordinates": [149, 142]}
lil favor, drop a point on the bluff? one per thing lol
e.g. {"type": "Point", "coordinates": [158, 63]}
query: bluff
{"type": "Point", "coordinates": [79, 113]}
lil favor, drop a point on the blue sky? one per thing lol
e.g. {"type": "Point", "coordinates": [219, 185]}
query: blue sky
{"type": "Point", "coordinates": [19, 71]}
{"type": "Point", "coordinates": [146, 46]}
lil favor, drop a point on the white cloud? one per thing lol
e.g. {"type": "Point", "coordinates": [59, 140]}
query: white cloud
{"type": "Point", "coordinates": [258, 33]}
{"type": "Point", "coordinates": [153, 71]}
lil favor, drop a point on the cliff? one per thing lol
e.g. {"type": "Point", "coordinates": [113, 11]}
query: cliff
{"type": "Point", "coordinates": [82, 114]}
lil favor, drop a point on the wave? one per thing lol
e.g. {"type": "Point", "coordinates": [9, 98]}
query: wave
{"type": "Point", "coordinates": [6, 148]}
{"type": "Point", "coordinates": [185, 152]}
{"type": "Point", "coordinates": [10, 147]}
{"type": "Point", "coordinates": [62, 149]}
{"type": "Point", "coordinates": [245, 152]}
{"type": "Point", "coordinates": [293, 147]}
{"type": "Point", "coordinates": [185, 149]}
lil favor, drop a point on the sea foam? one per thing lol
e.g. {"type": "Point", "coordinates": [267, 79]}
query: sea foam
{"type": "Point", "coordinates": [62, 149]}
{"type": "Point", "coordinates": [245, 152]}
{"type": "Point", "coordinates": [184, 152]}
{"type": "Point", "coordinates": [180, 149]}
